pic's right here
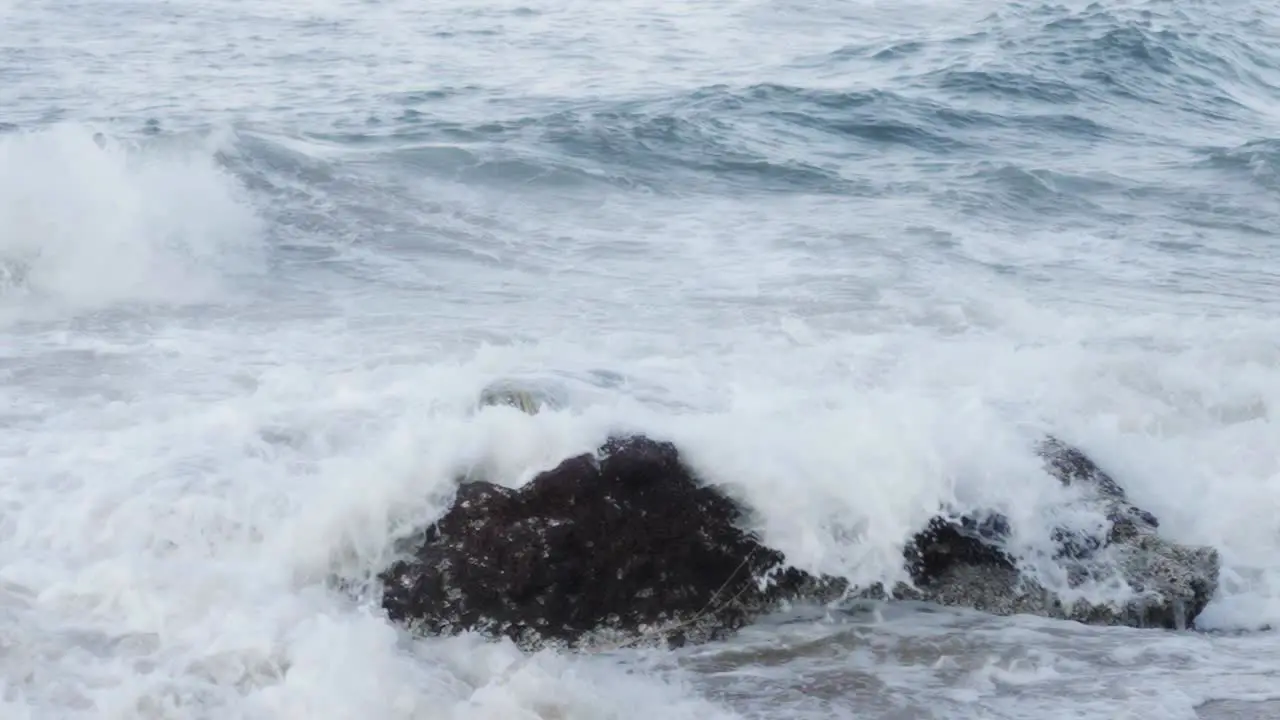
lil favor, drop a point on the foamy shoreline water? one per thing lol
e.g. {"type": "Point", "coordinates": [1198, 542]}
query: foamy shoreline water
{"type": "Point", "coordinates": [850, 258]}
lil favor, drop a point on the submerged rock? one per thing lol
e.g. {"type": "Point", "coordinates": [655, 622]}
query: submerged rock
{"type": "Point", "coordinates": [525, 397]}
{"type": "Point", "coordinates": [964, 563]}
{"type": "Point", "coordinates": [628, 541]}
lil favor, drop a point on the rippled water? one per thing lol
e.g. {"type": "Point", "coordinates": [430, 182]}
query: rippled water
{"type": "Point", "coordinates": [258, 260]}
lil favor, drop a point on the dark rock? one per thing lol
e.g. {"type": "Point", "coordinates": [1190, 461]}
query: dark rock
{"type": "Point", "coordinates": [965, 562]}
{"type": "Point", "coordinates": [628, 542]}
{"type": "Point", "coordinates": [946, 542]}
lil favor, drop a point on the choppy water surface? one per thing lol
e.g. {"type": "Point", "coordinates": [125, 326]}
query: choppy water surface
{"type": "Point", "coordinates": [257, 260]}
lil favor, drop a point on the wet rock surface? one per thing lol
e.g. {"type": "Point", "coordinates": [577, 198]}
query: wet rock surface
{"type": "Point", "coordinates": [963, 562]}
{"type": "Point", "coordinates": [628, 542]}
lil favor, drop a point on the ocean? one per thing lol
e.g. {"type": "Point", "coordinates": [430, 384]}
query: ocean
{"type": "Point", "coordinates": [259, 260]}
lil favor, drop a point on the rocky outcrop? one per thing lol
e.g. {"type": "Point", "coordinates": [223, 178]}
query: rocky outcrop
{"type": "Point", "coordinates": [964, 562]}
{"type": "Point", "coordinates": [627, 541]}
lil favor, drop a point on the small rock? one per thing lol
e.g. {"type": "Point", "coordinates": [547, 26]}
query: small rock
{"type": "Point", "coordinates": [524, 397]}
{"type": "Point", "coordinates": [964, 562]}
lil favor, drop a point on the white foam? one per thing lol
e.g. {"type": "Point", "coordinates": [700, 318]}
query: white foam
{"type": "Point", "coordinates": [86, 221]}
{"type": "Point", "coordinates": [187, 531]}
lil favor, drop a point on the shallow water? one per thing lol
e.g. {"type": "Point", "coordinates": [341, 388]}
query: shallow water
{"type": "Point", "coordinates": [257, 263]}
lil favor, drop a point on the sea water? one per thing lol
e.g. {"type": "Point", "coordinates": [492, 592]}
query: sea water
{"type": "Point", "coordinates": [259, 260]}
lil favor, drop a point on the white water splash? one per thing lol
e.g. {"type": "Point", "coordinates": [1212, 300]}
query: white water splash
{"type": "Point", "coordinates": [86, 222]}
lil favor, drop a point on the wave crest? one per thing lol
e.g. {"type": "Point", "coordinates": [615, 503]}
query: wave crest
{"type": "Point", "coordinates": [87, 222]}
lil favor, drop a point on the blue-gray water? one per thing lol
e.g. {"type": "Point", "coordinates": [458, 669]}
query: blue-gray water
{"type": "Point", "coordinates": [257, 260]}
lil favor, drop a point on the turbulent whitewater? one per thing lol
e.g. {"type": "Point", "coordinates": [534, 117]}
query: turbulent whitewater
{"type": "Point", "coordinates": [258, 261]}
